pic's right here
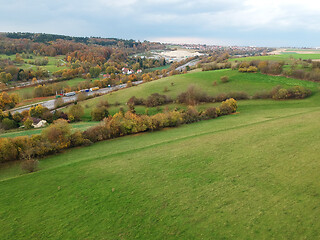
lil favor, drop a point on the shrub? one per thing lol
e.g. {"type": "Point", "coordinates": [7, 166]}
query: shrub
{"type": "Point", "coordinates": [244, 65]}
{"type": "Point", "coordinates": [281, 94]}
{"type": "Point", "coordinates": [8, 152]}
{"type": "Point", "coordinates": [58, 135]}
{"type": "Point", "coordinates": [39, 146]}
{"type": "Point", "coordinates": [252, 69]}
{"type": "Point", "coordinates": [1, 115]}
{"type": "Point", "coordinates": [242, 69]}
{"type": "Point", "coordinates": [76, 111]}
{"type": "Point", "coordinates": [262, 95]}
{"type": "Point", "coordinates": [7, 124]}
{"type": "Point", "coordinates": [220, 97]}
{"type": "Point", "coordinates": [103, 103]}
{"type": "Point", "coordinates": [48, 116]}
{"type": "Point", "coordinates": [156, 99]}
{"type": "Point", "coordinates": [95, 134]}
{"type": "Point", "coordinates": [135, 101]}
{"type": "Point", "coordinates": [233, 104]}
{"type": "Point", "coordinates": [76, 139]}
{"type": "Point", "coordinates": [299, 73]}
{"type": "Point", "coordinates": [297, 92]}
{"type": "Point", "coordinates": [8, 101]}
{"type": "Point", "coordinates": [228, 106]}
{"type": "Point", "coordinates": [38, 111]}
{"type": "Point", "coordinates": [193, 96]}
{"type": "Point", "coordinates": [173, 119]}
{"type": "Point", "coordinates": [238, 95]}
{"type": "Point", "coordinates": [210, 113]}
{"type": "Point", "coordinates": [191, 115]}
{"type": "Point", "coordinates": [224, 79]}
{"type": "Point", "coordinates": [215, 66]}
{"type": "Point", "coordinates": [28, 123]}
{"type": "Point", "coordinates": [30, 165]}
{"type": "Point", "coordinates": [99, 113]}
{"type": "Point", "coordinates": [59, 114]}
{"type": "Point", "coordinates": [17, 117]}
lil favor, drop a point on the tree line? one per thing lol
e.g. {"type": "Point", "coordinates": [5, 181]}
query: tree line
{"type": "Point", "coordinates": [59, 136]}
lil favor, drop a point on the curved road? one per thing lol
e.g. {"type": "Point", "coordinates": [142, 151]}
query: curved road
{"type": "Point", "coordinates": [50, 103]}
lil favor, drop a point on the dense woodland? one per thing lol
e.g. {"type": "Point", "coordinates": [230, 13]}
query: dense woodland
{"type": "Point", "coordinates": [82, 56]}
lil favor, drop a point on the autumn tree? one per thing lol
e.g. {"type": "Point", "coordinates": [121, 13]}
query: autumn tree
{"type": "Point", "coordinates": [58, 134]}
{"type": "Point", "coordinates": [132, 78]}
{"type": "Point", "coordinates": [8, 101]}
{"type": "Point", "coordinates": [99, 113]}
{"type": "Point", "coordinates": [76, 111]}
{"type": "Point", "coordinates": [146, 77]}
{"type": "Point", "coordinates": [37, 111]}
{"type": "Point", "coordinates": [95, 71]}
{"type": "Point", "coordinates": [28, 123]}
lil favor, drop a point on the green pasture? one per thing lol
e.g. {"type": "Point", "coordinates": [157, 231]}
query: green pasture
{"type": "Point", "coordinates": [21, 132]}
{"type": "Point", "coordinates": [247, 82]}
{"type": "Point", "coordinates": [253, 175]}
{"type": "Point", "coordinates": [250, 175]}
{"type": "Point", "coordinates": [52, 66]}
{"type": "Point", "coordinates": [27, 92]}
{"type": "Point", "coordinates": [281, 57]}
{"type": "Point", "coordinates": [157, 68]}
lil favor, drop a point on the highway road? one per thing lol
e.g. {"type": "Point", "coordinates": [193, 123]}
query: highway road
{"type": "Point", "coordinates": [190, 64]}
{"type": "Point", "coordinates": [50, 103]}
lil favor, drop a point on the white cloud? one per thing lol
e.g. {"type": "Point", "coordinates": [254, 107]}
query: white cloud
{"type": "Point", "coordinates": [220, 19]}
{"type": "Point", "coordinates": [192, 40]}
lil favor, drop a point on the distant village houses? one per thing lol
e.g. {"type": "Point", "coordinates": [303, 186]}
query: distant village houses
{"type": "Point", "coordinates": [127, 71]}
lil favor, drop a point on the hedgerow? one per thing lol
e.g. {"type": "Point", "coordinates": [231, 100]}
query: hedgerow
{"type": "Point", "coordinates": [59, 136]}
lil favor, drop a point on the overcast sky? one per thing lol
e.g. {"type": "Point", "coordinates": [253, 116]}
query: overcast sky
{"type": "Point", "coordinates": [223, 22]}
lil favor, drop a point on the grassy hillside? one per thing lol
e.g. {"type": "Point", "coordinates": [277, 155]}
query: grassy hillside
{"type": "Point", "coordinates": [52, 65]}
{"type": "Point", "coordinates": [280, 57]}
{"type": "Point", "coordinates": [252, 175]}
{"type": "Point", "coordinates": [248, 82]}
{"type": "Point", "coordinates": [14, 133]}
{"type": "Point", "coordinates": [27, 92]}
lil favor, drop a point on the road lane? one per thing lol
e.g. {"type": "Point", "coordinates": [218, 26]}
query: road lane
{"type": "Point", "coordinates": [50, 103]}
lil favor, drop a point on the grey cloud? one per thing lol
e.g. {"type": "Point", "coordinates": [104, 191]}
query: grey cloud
{"type": "Point", "coordinates": [231, 20]}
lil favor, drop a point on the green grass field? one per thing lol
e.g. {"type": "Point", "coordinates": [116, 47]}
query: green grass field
{"type": "Point", "coordinates": [15, 133]}
{"type": "Point", "coordinates": [280, 57]}
{"type": "Point", "coordinates": [302, 50]}
{"type": "Point", "coordinates": [158, 68]}
{"type": "Point", "coordinates": [27, 92]}
{"type": "Point", "coordinates": [251, 175]}
{"type": "Point", "coordinates": [248, 82]}
{"type": "Point", "coordinates": [52, 66]}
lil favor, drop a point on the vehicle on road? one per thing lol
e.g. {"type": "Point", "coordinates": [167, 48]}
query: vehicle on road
{"type": "Point", "coordinates": [94, 89]}
{"type": "Point", "coordinates": [84, 90]}
{"type": "Point", "coordinates": [69, 94]}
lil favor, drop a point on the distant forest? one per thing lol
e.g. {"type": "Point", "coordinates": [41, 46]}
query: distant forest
{"type": "Point", "coordinates": [46, 38]}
